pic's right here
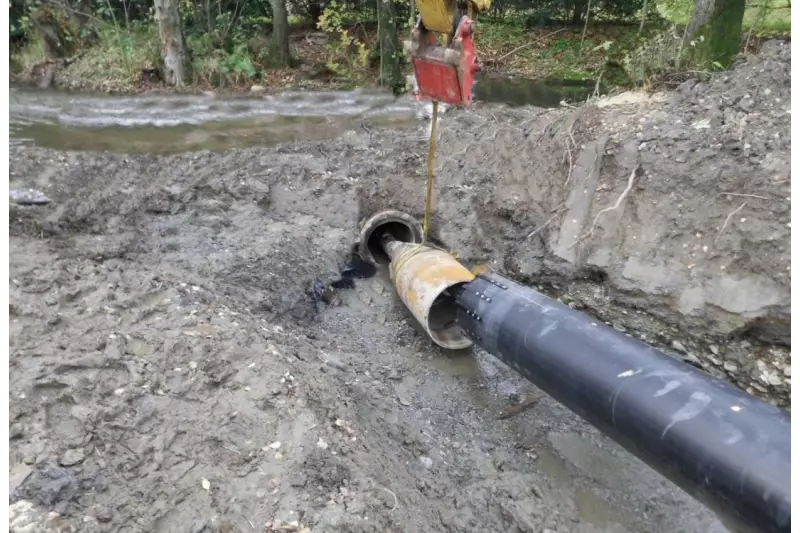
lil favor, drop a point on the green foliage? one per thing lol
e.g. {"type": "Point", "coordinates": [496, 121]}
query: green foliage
{"type": "Point", "coordinates": [767, 18]}
{"type": "Point", "coordinates": [663, 54]}
{"type": "Point", "coordinates": [492, 33]}
{"type": "Point", "coordinates": [232, 63]}
{"type": "Point", "coordinates": [237, 62]}
{"type": "Point", "coordinates": [230, 40]}
{"type": "Point", "coordinates": [543, 13]}
{"type": "Point", "coordinates": [347, 55]}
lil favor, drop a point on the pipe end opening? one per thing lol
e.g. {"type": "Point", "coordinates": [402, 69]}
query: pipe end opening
{"type": "Point", "coordinates": [401, 226]}
{"type": "Point", "coordinates": [442, 326]}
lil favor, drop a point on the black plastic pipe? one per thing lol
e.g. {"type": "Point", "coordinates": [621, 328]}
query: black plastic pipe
{"type": "Point", "coordinates": [729, 450]}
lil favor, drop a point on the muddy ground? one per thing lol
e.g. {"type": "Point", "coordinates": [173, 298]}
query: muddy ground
{"type": "Point", "coordinates": [169, 371]}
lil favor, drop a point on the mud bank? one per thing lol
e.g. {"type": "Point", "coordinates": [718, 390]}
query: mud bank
{"type": "Point", "coordinates": [169, 371]}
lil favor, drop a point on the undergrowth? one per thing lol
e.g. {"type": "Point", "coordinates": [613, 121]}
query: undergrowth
{"type": "Point", "coordinates": [340, 49]}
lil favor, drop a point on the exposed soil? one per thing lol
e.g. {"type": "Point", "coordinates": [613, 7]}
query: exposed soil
{"type": "Point", "coordinates": [170, 371]}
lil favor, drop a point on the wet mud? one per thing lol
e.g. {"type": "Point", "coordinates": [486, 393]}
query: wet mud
{"type": "Point", "coordinates": [171, 370]}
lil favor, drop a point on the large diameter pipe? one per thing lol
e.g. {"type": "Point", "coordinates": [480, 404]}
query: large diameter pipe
{"type": "Point", "coordinates": [423, 276]}
{"type": "Point", "coordinates": [729, 450]}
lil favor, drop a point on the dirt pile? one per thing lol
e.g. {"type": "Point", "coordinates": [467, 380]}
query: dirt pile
{"type": "Point", "coordinates": [169, 371]}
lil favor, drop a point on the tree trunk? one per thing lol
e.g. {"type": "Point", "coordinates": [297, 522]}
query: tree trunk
{"type": "Point", "coordinates": [578, 8]}
{"type": "Point", "coordinates": [389, 44]}
{"type": "Point", "coordinates": [315, 10]}
{"type": "Point", "coordinates": [716, 29]}
{"type": "Point", "coordinates": [54, 41]}
{"type": "Point", "coordinates": [644, 17]}
{"type": "Point", "coordinates": [173, 47]}
{"type": "Point", "coordinates": [280, 33]}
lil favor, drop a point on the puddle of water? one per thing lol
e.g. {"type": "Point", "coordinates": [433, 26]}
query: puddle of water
{"type": "Point", "coordinates": [517, 92]}
{"type": "Point", "coordinates": [460, 365]}
{"type": "Point", "coordinates": [592, 508]}
{"type": "Point", "coordinates": [477, 366]}
{"type": "Point", "coordinates": [553, 466]}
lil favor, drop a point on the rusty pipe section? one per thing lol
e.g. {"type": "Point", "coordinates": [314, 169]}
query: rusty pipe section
{"type": "Point", "coordinates": [425, 279]}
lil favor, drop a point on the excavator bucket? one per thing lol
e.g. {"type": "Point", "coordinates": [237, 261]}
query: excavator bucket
{"type": "Point", "coordinates": [445, 73]}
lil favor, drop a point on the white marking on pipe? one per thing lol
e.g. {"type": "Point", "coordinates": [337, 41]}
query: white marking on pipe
{"type": "Point", "coordinates": [736, 408]}
{"type": "Point", "coordinates": [628, 373]}
{"type": "Point", "coordinates": [550, 327]}
{"type": "Point", "coordinates": [697, 403]}
{"type": "Point", "coordinates": [734, 435]}
{"type": "Point", "coordinates": [669, 387]}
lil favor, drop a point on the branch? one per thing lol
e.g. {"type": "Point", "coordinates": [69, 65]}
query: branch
{"type": "Point", "coordinates": [743, 195]}
{"type": "Point", "coordinates": [517, 49]}
{"type": "Point", "coordinates": [586, 25]}
{"type": "Point", "coordinates": [547, 223]}
{"type": "Point", "coordinates": [730, 216]}
{"type": "Point", "coordinates": [393, 495]}
{"type": "Point", "coordinates": [569, 148]}
{"type": "Point", "coordinates": [616, 205]}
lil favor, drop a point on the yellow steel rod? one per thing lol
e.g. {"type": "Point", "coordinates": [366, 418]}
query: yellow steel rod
{"type": "Point", "coordinates": [429, 190]}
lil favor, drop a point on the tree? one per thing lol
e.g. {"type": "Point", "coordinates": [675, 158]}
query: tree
{"type": "Point", "coordinates": [716, 29]}
{"type": "Point", "coordinates": [389, 44]}
{"type": "Point", "coordinates": [578, 11]}
{"type": "Point", "coordinates": [280, 33]}
{"type": "Point", "coordinates": [173, 47]}
{"type": "Point", "coordinates": [55, 42]}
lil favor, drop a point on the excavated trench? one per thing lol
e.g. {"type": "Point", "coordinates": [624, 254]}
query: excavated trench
{"type": "Point", "coordinates": [175, 367]}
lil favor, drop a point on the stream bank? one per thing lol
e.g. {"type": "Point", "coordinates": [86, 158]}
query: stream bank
{"type": "Point", "coordinates": [170, 372]}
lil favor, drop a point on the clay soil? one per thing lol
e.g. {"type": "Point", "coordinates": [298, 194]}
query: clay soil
{"type": "Point", "coordinates": [170, 371]}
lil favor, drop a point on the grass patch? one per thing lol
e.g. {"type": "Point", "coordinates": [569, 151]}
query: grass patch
{"type": "Point", "coordinates": [558, 52]}
{"type": "Point", "coordinates": [112, 59]}
{"type": "Point", "coordinates": [120, 54]}
{"type": "Point", "coordinates": [768, 18]}
{"type": "Point", "coordinates": [29, 54]}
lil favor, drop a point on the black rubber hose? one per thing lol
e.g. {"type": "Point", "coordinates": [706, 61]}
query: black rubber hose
{"type": "Point", "coordinates": [729, 450]}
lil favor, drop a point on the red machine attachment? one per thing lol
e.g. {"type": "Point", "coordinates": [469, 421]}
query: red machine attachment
{"type": "Point", "coordinates": [444, 73]}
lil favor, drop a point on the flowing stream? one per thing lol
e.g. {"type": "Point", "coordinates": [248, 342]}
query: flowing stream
{"type": "Point", "coordinates": [168, 123]}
